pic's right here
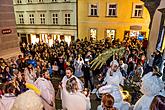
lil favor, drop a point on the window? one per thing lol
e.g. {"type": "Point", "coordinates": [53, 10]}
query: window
{"type": "Point", "coordinates": [67, 19]}
{"type": "Point", "coordinates": [110, 33]}
{"type": "Point", "coordinates": [93, 10]}
{"type": "Point", "coordinates": [19, 1]}
{"type": "Point", "coordinates": [21, 19]}
{"type": "Point", "coordinates": [112, 10]}
{"type": "Point", "coordinates": [41, 1]}
{"type": "Point", "coordinates": [138, 11]}
{"type": "Point", "coordinates": [55, 18]}
{"type": "Point", "coordinates": [42, 18]}
{"type": "Point", "coordinates": [93, 34]}
{"type": "Point", "coordinates": [66, 0]}
{"type": "Point", "coordinates": [31, 18]}
{"type": "Point", "coordinates": [29, 1]}
{"type": "Point", "coordinates": [54, 0]}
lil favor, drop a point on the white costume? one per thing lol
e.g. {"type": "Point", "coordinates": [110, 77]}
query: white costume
{"type": "Point", "coordinates": [151, 86]}
{"type": "Point", "coordinates": [76, 101]}
{"type": "Point", "coordinates": [7, 101]}
{"type": "Point", "coordinates": [63, 95]}
{"type": "Point", "coordinates": [47, 93]}
{"type": "Point", "coordinates": [28, 100]}
{"type": "Point", "coordinates": [112, 87]}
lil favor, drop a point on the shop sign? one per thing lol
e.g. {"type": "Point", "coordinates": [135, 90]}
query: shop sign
{"type": "Point", "coordinates": [6, 31]}
{"type": "Point", "coordinates": [135, 27]}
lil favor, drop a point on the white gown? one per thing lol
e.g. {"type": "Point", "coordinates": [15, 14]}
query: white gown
{"type": "Point", "coordinates": [151, 86]}
{"type": "Point", "coordinates": [112, 87]}
{"type": "Point", "coordinates": [47, 93]}
{"type": "Point", "coordinates": [76, 101]}
{"type": "Point", "coordinates": [63, 93]}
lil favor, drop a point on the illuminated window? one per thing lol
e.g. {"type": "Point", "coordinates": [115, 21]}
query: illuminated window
{"type": "Point", "coordinates": [42, 18]}
{"type": "Point", "coordinates": [31, 18]}
{"type": "Point", "coordinates": [111, 33]}
{"type": "Point", "coordinates": [112, 10]}
{"type": "Point", "coordinates": [29, 1]}
{"type": "Point", "coordinates": [55, 18]}
{"type": "Point", "coordinates": [137, 10]}
{"type": "Point", "coordinates": [67, 19]}
{"type": "Point", "coordinates": [93, 33]}
{"type": "Point", "coordinates": [19, 1]}
{"type": "Point", "coordinates": [21, 19]}
{"type": "Point", "coordinates": [93, 10]}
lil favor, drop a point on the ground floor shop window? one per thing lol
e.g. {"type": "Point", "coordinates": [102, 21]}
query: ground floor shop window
{"type": "Point", "coordinates": [93, 34]}
{"type": "Point", "coordinates": [140, 35]}
{"type": "Point", "coordinates": [110, 33]}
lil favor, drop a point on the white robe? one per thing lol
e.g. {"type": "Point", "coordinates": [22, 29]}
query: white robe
{"type": "Point", "coordinates": [151, 86]}
{"type": "Point", "coordinates": [47, 93]}
{"type": "Point", "coordinates": [76, 101]}
{"type": "Point", "coordinates": [63, 95]}
{"type": "Point", "coordinates": [7, 101]}
{"type": "Point", "coordinates": [112, 87]}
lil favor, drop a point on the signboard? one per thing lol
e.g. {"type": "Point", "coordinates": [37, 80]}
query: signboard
{"type": "Point", "coordinates": [135, 27]}
{"type": "Point", "coordinates": [6, 31]}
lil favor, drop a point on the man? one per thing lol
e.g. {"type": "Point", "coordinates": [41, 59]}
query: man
{"type": "Point", "coordinates": [123, 68]}
{"type": "Point", "coordinates": [62, 86]}
{"type": "Point", "coordinates": [44, 84]}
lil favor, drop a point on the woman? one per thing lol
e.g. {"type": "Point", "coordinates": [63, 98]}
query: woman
{"type": "Point", "coordinates": [107, 103]}
{"type": "Point", "coordinates": [75, 100]}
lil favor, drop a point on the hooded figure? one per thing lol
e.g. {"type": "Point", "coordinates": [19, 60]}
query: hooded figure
{"type": "Point", "coordinates": [152, 85]}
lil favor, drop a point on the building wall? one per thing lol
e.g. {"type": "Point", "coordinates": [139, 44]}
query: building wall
{"type": "Point", "coordinates": [9, 44]}
{"type": "Point", "coordinates": [48, 8]}
{"type": "Point", "coordinates": [120, 23]}
{"type": "Point", "coordinates": [155, 29]}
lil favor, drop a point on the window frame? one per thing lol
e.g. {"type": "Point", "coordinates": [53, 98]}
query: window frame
{"type": "Point", "coordinates": [108, 10]}
{"type": "Point", "coordinates": [19, 1]}
{"type": "Point", "coordinates": [67, 19]}
{"type": "Point", "coordinates": [21, 18]}
{"type": "Point", "coordinates": [55, 19]}
{"type": "Point", "coordinates": [134, 9]}
{"type": "Point", "coordinates": [31, 18]}
{"type": "Point", "coordinates": [29, 1]}
{"type": "Point", "coordinates": [90, 10]}
{"type": "Point", "coordinates": [42, 18]}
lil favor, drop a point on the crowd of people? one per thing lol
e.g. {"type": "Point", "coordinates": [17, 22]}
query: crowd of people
{"type": "Point", "coordinates": [30, 75]}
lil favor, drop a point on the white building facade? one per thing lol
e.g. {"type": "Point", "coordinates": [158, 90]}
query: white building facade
{"type": "Point", "coordinates": [46, 20]}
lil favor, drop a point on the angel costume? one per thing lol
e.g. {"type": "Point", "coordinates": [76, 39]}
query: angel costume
{"type": "Point", "coordinates": [63, 93]}
{"type": "Point", "coordinates": [151, 86]}
{"type": "Point", "coordinates": [112, 87]}
{"type": "Point", "coordinates": [76, 101]}
{"type": "Point", "coordinates": [7, 101]}
{"type": "Point", "coordinates": [47, 93]}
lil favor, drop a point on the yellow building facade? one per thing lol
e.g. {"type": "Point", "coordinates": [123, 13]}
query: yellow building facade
{"type": "Point", "coordinates": [98, 19]}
